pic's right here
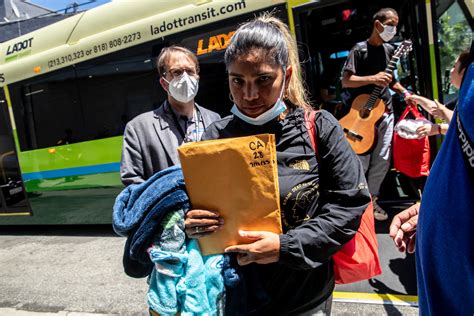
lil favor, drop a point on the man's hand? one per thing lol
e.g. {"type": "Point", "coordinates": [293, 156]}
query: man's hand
{"type": "Point", "coordinates": [403, 229]}
{"type": "Point", "coordinates": [382, 79]}
{"type": "Point", "coordinates": [265, 248]}
{"type": "Point", "coordinates": [199, 223]}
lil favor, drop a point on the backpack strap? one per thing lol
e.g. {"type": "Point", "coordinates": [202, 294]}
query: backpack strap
{"type": "Point", "coordinates": [310, 124]}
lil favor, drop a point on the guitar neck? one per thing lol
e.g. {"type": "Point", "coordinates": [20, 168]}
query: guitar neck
{"type": "Point", "coordinates": [377, 90]}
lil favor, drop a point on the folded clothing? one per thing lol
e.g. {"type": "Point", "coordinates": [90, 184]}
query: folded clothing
{"type": "Point", "coordinates": [187, 282]}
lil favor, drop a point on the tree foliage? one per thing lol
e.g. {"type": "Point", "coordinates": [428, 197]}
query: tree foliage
{"type": "Point", "coordinates": [453, 39]}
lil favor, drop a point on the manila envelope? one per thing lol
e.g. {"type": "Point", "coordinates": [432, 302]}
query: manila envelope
{"type": "Point", "coordinates": [238, 177]}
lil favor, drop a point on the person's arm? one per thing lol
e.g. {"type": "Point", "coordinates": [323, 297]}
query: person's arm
{"type": "Point", "coordinates": [350, 80]}
{"type": "Point", "coordinates": [398, 88]}
{"type": "Point", "coordinates": [425, 103]}
{"type": "Point", "coordinates": [131, 166]}
{"type": "Point", "coordinates": [344, 196]}
{"type": "Point", "coordinates": [434, 108]}
{"type": "Point", "coordinates": [443, 128]}
{"type": "Point", "coordinates": [432, 129]}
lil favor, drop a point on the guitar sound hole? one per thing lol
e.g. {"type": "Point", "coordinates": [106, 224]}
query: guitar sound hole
{"type": "Point", "coordinates": [364, 113]}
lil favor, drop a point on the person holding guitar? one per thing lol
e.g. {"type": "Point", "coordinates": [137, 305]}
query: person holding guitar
{"type": "Point", "coordinates": [367, 70]}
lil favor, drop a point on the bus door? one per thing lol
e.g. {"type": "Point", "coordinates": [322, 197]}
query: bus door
{"type": "Point", "coordinates": [13, 199]}
{"type": "Point", "coordinates": [326, 32]}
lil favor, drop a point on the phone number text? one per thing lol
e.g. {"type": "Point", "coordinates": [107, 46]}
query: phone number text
{"type": "Point", "coordinates": [96, 49]}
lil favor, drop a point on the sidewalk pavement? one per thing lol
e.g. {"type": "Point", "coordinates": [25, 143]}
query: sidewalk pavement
{"type": "Point", "coordinates": [70, 271]}
{"type": "Point", "coordinates": [15, 312]}
{"type": "Point", "coordinates": [338, 309]}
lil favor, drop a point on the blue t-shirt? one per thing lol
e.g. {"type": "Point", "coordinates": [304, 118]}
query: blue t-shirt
{"type": "Point", "coordinates": [445, 232]}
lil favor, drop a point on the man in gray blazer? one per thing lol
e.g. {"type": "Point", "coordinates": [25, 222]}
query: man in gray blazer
{"type": "Point", "coordinates": [151, 139]}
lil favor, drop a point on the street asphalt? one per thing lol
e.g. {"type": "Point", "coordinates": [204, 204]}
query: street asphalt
{"type": "Point", "coordinates": [77, 271]}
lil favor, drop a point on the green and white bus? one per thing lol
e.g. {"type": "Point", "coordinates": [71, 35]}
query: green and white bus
{"type": "Point", "coordinates": [68, 89]}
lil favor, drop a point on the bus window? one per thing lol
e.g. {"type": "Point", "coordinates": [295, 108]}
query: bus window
{"type": "Point", "coordinates": [91, 100]}
{"type": "Point", "coordinates": [116, 88]}
{"type": "Point", "coordinates": [12, 191]}
{"type": "Point", "coordinates": [47, 110]}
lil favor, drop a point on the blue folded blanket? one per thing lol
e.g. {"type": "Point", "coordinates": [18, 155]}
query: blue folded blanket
{"type": "Point", "coordinates": [138, 209]}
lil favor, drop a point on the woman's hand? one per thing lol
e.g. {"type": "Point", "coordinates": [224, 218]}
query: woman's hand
{"type": "Point", "coordinates": [425, 103]}
{"type": "Point", "coordinates": [427, 130]}
{"type": "Point", "coordinates": [442, 112]}
{"type": "Point", "coordinates": [265, 248]}
{"type": "Point", "coordinates": [200, 223]}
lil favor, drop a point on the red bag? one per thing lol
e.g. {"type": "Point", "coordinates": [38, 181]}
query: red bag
{"type": "Point", "coordinates": [411, 156]}
{"type": "Point", "coordinates": [359, 258]}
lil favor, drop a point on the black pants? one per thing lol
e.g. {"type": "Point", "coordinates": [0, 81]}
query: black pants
{"type": "Point", "coordinates": [323, 309]}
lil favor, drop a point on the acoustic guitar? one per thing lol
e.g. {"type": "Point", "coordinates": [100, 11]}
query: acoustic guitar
{"type": "Point", "coordinates": [367, 110]}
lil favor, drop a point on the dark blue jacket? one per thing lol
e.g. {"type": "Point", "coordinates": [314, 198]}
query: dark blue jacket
{"type": "Point", "coordinates": [444, 239]}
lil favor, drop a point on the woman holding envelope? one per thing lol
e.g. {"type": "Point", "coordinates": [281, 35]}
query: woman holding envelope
{"type": "Point", "coordinates": [322, 196]}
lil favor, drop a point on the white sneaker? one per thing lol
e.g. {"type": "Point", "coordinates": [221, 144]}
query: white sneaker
{"type": "Point", "coordinates": [379, 213]}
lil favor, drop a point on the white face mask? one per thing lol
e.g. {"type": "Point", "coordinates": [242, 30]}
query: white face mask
{"type": "Point", "coordinates": [388, 32]}
{"type": "Point", "coordinates": [183, 88]}
{"type": "Point", "coordinates": [278, 108]}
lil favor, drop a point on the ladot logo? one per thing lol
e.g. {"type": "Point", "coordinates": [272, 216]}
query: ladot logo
{"type": "Point", "coordinates": [19, 46]}
{"type": "Point", "coordinates": [214, 43]}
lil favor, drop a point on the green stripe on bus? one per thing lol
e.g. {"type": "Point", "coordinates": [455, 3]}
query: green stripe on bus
{"type": "Point", "coordinates": [95, 152]}
{"type": "Point", "coordinates": [429, 19]}
{"type": "Point", "coordinates": [434, 80]}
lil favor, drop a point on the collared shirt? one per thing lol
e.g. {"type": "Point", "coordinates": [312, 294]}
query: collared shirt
{"type": "Point", "coordinates": [190, 129]}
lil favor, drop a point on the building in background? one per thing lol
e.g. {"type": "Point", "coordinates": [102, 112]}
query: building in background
{"type": "Point", "coordinates": [18, 17]}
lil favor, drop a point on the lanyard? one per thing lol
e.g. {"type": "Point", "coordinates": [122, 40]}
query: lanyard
{"type": "Point", "coordinates": [467, 146]}
{"type": "Point", "coordinates": [183, 131]}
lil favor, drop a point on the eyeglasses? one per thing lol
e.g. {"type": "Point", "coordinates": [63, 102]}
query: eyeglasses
{"type": "Point", "coordinates": [177, 72]}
